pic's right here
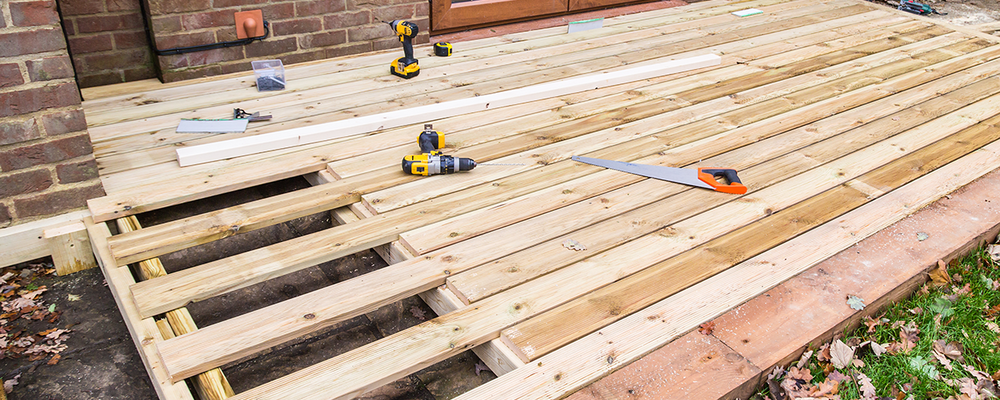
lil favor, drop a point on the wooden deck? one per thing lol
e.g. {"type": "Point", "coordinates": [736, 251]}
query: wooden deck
{"type": "Point", "coordinates": [842, 118]}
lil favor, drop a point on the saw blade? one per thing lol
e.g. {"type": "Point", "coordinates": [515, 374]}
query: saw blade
{"type": "Point", "coordinates": [677, 175]}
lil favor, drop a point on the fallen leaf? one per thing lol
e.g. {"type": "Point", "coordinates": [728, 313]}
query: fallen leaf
{"type": "Point", "coordinates": [922, 236]}
{"type": "Point", "coordinates": [871, 323]}
{"type": "Point", "coordinates": [916, 310]}
{"type": "Point", "coordinates": [54, 360]}
{"type": "Point", "coordinates": [992, 326]}
{"type": "Point", "coordinates": [922, 366]}
{"type": "Point", "coordinates": [856, 302]}
{"type": "Point", "coordinates": [573, 245]}
{"type": "Point", "coordinates": [908, 337]}
{"type": "Point", "coordinates": [952, 350]}
{"type": "Point", "coordinates": [994, 252]}
{"type": "Point", "coordinates": [826, 388]}
{"type": "Point", "coordinates": [796, 383]}
{"type": "Point", "coordinates": [939, 276]}
{"type": "Point", "coordinates": [804, 359]}
{"type": "Point", "coordinates": [72, 297]}
{"type": "Point", "coordinates": [857, 363]}
{"type": "Point", "coordinates": [34, 293]}
{"type": "Point", "coordinates": [945, 362]}
{"type": "Point", "coordinates": [993, 311]}
{"type": "Point", "coordinates": [8, 385]}
{"type": "Point", "coordinates": [963, 290]}
{"type": "Point", "coordinates": [841, 354]}
{"type": "Point", "coordinates": [837, 376]}
{"type": "Point", "coordinates": [417, 312]}
{"type": "Point", "coordinates": [866, 387]}
{"type": "Point", "coordinates": [942, 306]}
{"type": "Point", "coordinates": [968, 387]}
{"type": "Point", "coordinates": [824, 352]}
{"type": "Point", "coordinates": [707, 328]}
{"type": "Point", "coordinates": [877, 349]}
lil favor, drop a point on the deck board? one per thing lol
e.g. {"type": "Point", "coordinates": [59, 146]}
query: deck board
{"type": "Point", "coordinates": [834, 112]}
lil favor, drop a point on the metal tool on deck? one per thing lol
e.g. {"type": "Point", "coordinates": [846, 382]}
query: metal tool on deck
{"type": "Point", "coordinates": [432, 162]}
{"type": "Point", "coordinates": [706, 178]}
{"type": "Point", "coordinates": [917, 8]}
{"type": "Point", "coordinates": [406, 66]}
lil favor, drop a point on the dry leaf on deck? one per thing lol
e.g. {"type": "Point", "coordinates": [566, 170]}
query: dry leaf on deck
{"type": "Point", "coordinates": [841, 354]}
{"type": "Point", "coordinates": [707, 328]}
{"type": "Point", "coordinates": [573, 245]}
{"type": "Point", "coordinates": [939, 275]}
{"type": "Point", "coordinates": [856, 302]}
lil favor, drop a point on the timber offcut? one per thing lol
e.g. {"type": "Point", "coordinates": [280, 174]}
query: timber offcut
{"type": "Point", "coordinates": [842, 118]}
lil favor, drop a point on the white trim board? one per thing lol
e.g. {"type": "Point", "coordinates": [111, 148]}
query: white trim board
{"type": "Point", "coordinates": [339, 129]}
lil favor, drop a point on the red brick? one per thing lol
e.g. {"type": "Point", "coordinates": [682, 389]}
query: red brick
{"type": "Point", "coordinates": [68, 27]}
{"type": "Point", "coordinates": [164, 42]}
{"type": "Point", "coordinates": [317, 7]}
{"type": "Point", "coordinates": [352, 4]}
{"type": "Point", "coordinates": [369, 32]}
{"type": "Point", "coordinates": [278, 11]}
{"type": "Point", "coordinates": [348, 49]}
{"type": "Point", "coordinates": [31, 100]}
{"type": "Point", "coordinates": [116, 60]}
{"type": "Point", "coordinates": [4, 212]}
{"type": "Point", "coordinates": [31, 42]}
{"type": "Point", "coordinates": [348, 19]}
{"type": "Point", "coordinates": [304, 56]}
{"type": "Point", "coordinates": [10, 75]}
{"type": "Point", "coordinates": [99, 78]}
{"type": "Point", "coordinates": [58, 201]}
{"type": "Point", "coordinates": [236, 67]}
{"type": "Point", "coordinates": [25, 182]}
{"type": "Point", "coordinates": [167, 24]}
{"type": "Point", "coordinates": [158, 7]}
{"type": "Point", "coordinates": [390, 13]}
{"type": "Point", "coordinates": [77, 171]}
{"type": "Point", "coordinates": [63, 122]}
{"type": "Point", "coordinates": [236, 3]}
{"type": "Point", "coordinates": [422, 9]}
{"type": "Point", "coordinates": [386, 44]}
{"type": "Point", "coordinates": [209, 19]}
{"type": "Point", "coordinates": [270, 47]}
{"type": "Point", "coordinates": [171, 62]}
{"type": "Point", "coordinates": [3, 22]}
{"type": "Point", "coordinates": [191, 73]}
{"type": "Point", "coordinates": [216, 56]}
{"type": "Point", "coordinates": [45, 153]}
{"type": "Point", "coordinates": [130, 40]}
{"type": "Point", "coordinates": [122, 5]}
{"type": "Point", "coordinates": [80, 7]}
{"type": "Point", "coordinates": [323, 39]}
{"type": "Point", "coordinates": [90, 44]}
{"type": "Point", "coordinates": [34, 13]}
{"type": "Point", "coordinates": [49, 68]}
{"type": "Point", "coordinates": [105, 23]}
{"type": "Point", "coordinates": [17, 131]}
{"type": "Point", "coordinates": [136, 74]}
{"type": "Point", "coordinates": [294, 26]}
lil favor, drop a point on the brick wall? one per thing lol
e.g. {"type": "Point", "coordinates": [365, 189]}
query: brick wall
{"type": "Point", "coordinates": [46, 161]}
{"type": "Point", "coordinates": [301, 30]}
{"type": "Point", "coordinates": [107, 41]}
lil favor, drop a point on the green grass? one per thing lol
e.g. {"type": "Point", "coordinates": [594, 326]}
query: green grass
{"type": "Point", "coordinates": [961, 314]}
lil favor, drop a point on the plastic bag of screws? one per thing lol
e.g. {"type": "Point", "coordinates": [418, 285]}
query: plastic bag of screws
{"type": "Point", "coordinates": [270, 75]}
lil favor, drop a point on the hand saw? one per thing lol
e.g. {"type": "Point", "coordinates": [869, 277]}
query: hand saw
{"type": "Point", "coordinates": [701, 177]}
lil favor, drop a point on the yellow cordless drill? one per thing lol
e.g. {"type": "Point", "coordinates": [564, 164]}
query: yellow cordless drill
{"type": "Point", "coordinates": [433, 162]}
{"type": "Point", "coordinates": [406, 66]}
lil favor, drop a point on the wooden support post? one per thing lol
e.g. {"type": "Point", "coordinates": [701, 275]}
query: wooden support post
{"type": "Point", "coordinates": [211, 384]}
{"type": "Point", "coordinates": [70, 248]}
{"type": "Point", "coordinates": [25, 242]}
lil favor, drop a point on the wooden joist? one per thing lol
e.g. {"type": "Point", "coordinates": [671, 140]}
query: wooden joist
{"type": "Point", "coordinates": [835, 113]}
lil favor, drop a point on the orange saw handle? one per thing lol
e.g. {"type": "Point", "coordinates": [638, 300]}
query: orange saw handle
{"type": "Point", "coordinates": [709, 175]}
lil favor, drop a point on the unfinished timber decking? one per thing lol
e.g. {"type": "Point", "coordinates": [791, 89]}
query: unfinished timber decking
{"type": "Point", "coordinates": [842, 118]}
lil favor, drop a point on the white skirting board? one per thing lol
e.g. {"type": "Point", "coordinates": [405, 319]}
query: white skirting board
{"type": "Point", "coordinates": [339, 129]}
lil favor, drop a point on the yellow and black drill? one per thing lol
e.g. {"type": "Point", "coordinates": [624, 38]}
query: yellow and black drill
{"type": "Point", "coordinates": [405, 66]}
{"type": "Point", "coordinates": [433, 162]}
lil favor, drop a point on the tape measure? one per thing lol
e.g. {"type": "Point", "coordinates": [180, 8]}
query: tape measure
{"type": "Point", "coordinates": [442, 49]}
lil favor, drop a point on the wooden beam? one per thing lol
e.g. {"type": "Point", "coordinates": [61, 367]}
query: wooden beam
{"type": "Point", "coordinates": [295, 137]}
{"type": "Point", "coordinates": [25, 242]}
{"type": "Point", "coordinates": [70, 247]}
{"type": "Point", "coordinates": [144, 331]}
{"type": "Point", "coordinates": [602, 352]}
